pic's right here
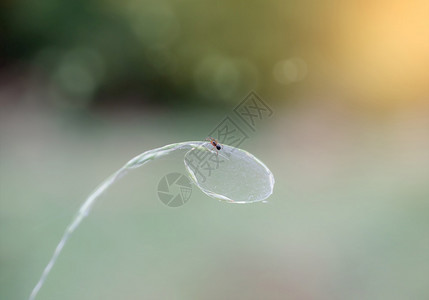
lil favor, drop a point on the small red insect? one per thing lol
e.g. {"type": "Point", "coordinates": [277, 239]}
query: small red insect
{"type": "Point", "coordinates": [215, 144]}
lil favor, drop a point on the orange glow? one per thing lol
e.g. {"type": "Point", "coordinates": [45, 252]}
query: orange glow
{"type": "Point", "coordinates": [382, 49]}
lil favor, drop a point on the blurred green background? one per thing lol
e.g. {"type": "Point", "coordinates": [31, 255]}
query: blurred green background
{"type": "Point", "coordinates": [86, 85]}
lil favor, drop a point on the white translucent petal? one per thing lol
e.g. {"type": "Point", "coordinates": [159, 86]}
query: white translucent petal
{"type": "Point", "coordinates": [232, 174]}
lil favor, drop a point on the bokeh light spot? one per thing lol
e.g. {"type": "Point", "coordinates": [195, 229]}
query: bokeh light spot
{"type": "Point", "coordinates": [290, 70]}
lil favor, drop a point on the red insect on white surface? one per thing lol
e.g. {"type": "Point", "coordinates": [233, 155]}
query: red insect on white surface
{"type": "Point", "coordinates": [215, 144]}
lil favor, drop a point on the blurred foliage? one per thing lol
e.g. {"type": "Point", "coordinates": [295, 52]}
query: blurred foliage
{"type": "Point", "coordinates": [213, 53]}
{"type": "Point", "coordinates": [162, 50]}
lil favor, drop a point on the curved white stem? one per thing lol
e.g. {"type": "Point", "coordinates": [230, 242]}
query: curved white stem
{"type": "Point", "coordinates": [85, 208]}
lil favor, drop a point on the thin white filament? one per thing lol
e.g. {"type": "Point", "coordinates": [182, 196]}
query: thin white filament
{"type": "Point", "coordinates": [136, 162]}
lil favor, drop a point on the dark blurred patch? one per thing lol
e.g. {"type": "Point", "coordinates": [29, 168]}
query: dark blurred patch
{"type": "Point", "coordinates": [92, 53]}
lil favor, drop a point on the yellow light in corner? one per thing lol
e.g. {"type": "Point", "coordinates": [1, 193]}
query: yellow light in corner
{"type": "Point", "coordinates": [382, 49]}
